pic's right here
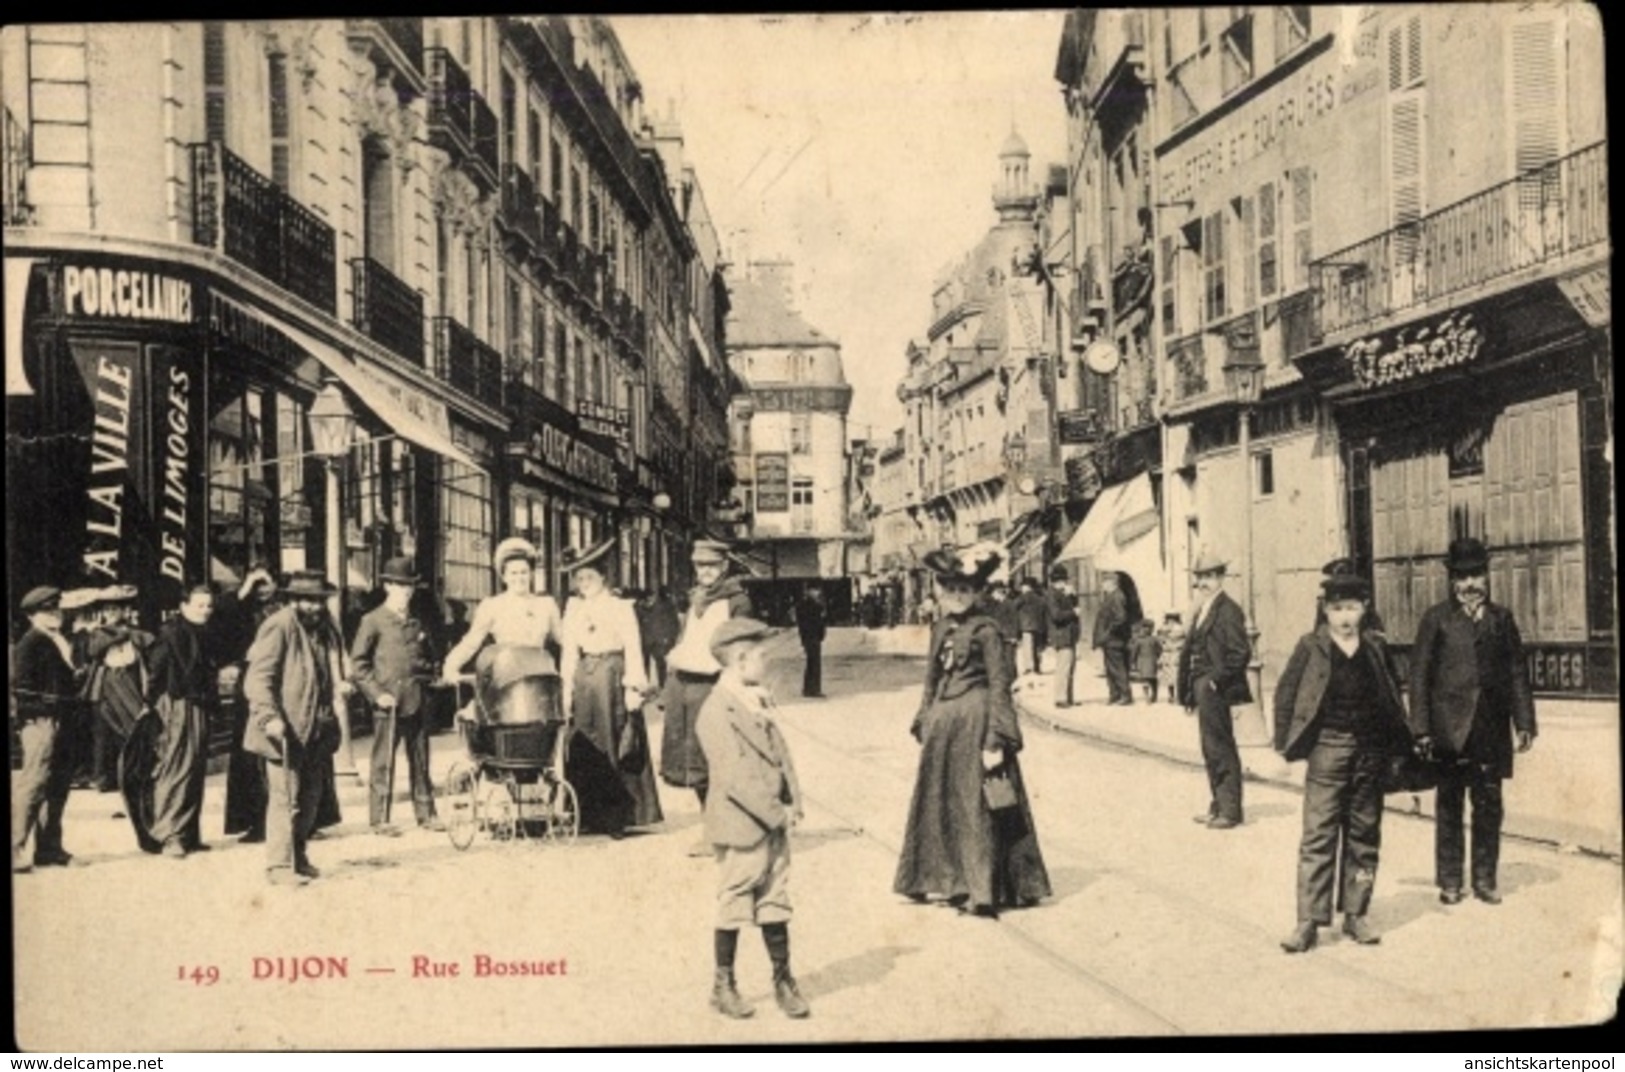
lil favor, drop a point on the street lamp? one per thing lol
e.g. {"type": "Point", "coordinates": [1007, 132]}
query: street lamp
{"type": "Point", "coordinates": [332, 432]}
{"type": "Point", "coordinates": [1245, 380]}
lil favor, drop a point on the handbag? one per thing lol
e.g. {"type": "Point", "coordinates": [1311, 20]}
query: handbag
{"type": "Point", "coordinates": [999, 792]}
{"type": "Point", "coordinates": [1406, 772]}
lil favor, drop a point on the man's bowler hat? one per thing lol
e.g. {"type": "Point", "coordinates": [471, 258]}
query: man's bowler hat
{"type": "Point", "coordinates": [1467, 555]}
{"type": "Point", "coordinates": [308, 584]}
{"type": "Point", "coordinates": [400, 570]}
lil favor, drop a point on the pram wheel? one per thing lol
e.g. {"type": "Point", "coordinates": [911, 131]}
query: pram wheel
{"type": "Point", "coordinates": [563, 812]}
{"type": "Point", "coordinates": [462, 796]}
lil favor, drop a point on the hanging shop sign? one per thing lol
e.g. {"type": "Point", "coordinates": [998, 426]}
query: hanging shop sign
{"type": "Point", "coordinates": [1415, 350]}
{"type": "Point", "coordinates": [772, 483]}
{"type": "Point", "coordinates": [801, 399]}
{"type": "Point", "coordinates": [1589, 293]}
{"type": "Point", "coordinates": [1080, 426]}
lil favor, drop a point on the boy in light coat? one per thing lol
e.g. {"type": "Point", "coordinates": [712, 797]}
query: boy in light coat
{"type": "Point", "coordinates": [752, 803]}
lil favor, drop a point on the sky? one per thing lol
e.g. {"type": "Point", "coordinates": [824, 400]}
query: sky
{"type": "Point", "coordinates": [862, 148]}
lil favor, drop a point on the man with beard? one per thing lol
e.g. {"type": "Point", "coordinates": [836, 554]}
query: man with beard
{"type": "Point", "coordinates": [292, 688]}
{"type": "Point", "coordinates": [181, 689]}
{"type": "Point", "coordinates": [237, 618]}
{"type": "Point", "coordinates": [1469, 690]}
{"type": "Point", "coordinates": [716, 598]}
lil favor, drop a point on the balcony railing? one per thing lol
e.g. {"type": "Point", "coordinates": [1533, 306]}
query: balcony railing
{"type": "Point", "coordinates": [398, 42]}
{"type": "Point", "coordinates": [520, 210]}
{"type": "Point", "coordinates": [18, 212]}
{"type": "Point", "coordinates": [387, 310]}
{"type": "Point", "coordinates": [250, 219]}
{"type": "Point", "coordinates": [1540, 216]}
{"type": "Point", "coordinates": [466, 363]}
{"type": "Point", "coordinates": [451, 111]}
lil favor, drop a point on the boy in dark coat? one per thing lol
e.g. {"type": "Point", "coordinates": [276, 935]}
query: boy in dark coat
{"type": "Point", "coordinates": [753, 802]}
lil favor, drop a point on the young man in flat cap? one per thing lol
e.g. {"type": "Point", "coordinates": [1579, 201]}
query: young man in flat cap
{"type": "Point", "coordinates": [715, 599]}
{"type": "Point", "coordinates": [392, 662]}
{"type": "Point", "coordinates": [46, 682]}
{"type": "Point", "coordinates": [1469, 691]}
{"type": "Point", "coordinates": [753, 802]}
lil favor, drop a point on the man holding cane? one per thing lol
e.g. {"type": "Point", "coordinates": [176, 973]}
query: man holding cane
{"type": "Point", "coordinates": [392, 662]}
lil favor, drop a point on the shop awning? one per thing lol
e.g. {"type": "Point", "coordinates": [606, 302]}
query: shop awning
{"type": "Point", "coordinates": [372, 390]}
{"type": "Point", "coordinates": [17, 271]}
{"type": "Point", "coordinates": [1121, 516]}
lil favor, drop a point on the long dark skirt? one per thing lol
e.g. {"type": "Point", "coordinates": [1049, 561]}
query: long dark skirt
{"type": "Point", "coordinates": [682, 763]}
{"type": "Point", "coordinates": [611, 798]}
{"type": "Point", "coordinates": [954, 846]}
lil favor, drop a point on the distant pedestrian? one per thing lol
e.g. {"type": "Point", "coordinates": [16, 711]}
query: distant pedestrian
{"type": "Point", "coordinates": [659, 621]}
{"type": "Point", "coordinates": [1338, 706]}
{"type": "Point", "coordinates": [1170, 648]}
{"type": "Point", "coordinates": [393, 665]}
{"type": "Point", "coordinates": [812, 625]}
{"type": "Point", "coordinates": [182, 692]}
{"type": "Point", "coordinates": [970, 836]}
{"type": "Point", "coordinates": [292, 684]}
{"type": "Point", "coordinates": [754, 801]}
{"type": "Point", "coordinates": [928, 609]}
{"type": "Point", "coordinates": [1032, 614]}
{"type": "Point", "coordinates": [1212, 676]}
{"type": "Point", "coordinates": [1001, 605]}
{"type": "Point", "coordinates": [1470, 691]}
{"type": "Point", "coordinates": [1111, 634]}
{"type": "Point", "coordinates": [1144, 655]}
{"type": "Point", "coordinates": [715, 598]}
{"type": "Point", "coordinates": [1063, 633]}
{"type": "Point", "coordinates": [46, 682]}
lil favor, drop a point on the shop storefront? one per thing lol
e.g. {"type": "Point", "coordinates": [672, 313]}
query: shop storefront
{"type": "Point", "coordinates": [1489, 421]}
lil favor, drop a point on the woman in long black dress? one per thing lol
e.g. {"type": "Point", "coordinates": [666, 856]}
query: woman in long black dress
{"type": "Point", "coordinates": [956, 846]}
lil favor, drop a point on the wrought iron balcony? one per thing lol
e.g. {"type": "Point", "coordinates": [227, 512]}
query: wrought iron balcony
{"type": "Point", "coordinates": [387, 310]}
{"type": "Point", "coordinates": [396, 43]}
{"type": "Point", "coordinates": [466, 363]}
{"type": "Point", "coordinates": [18, 212]}
{"type": "Point", "coordinates": [250, 219]}
{"type": "Point", "coordinates": [520, 211]}
{"type": "Point", "coordinates": [451, 109]}
{"type": "Point", "coordinates": [1543, 215]}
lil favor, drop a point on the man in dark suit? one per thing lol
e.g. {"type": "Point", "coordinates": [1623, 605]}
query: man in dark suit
{"type": "Point", "coordinates": [393, 662]}
{"type": "Point", "coordinates": [45, 682]}
{"type": "Point", "coordinates": [1212, 676]}
{"type": "Point", "coordinates": [1111, 638]}
{"type": "Point", "coordinates": [1469, 689]}
{"type": "Point", "coordinates": [1063, 632]}
{"type": "Point", "coordinates": [812, 622]}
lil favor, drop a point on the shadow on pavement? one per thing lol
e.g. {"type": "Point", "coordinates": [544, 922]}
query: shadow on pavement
{"type": "Point", "coordinates": [865, 969]}
{"type": "Point", "coordinates": [1270, 810]}
{"type": "Point", "coordinates": [1066, 882]}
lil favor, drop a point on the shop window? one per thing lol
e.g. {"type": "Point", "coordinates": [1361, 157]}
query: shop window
{"type": "Point", "coordinates": [243, 508]}
{"type": "Point", "coordinates": [466, 518]}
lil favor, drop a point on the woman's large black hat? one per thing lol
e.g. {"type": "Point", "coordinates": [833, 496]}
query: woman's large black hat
{"type": "Point", "coordinates": [973, 565]}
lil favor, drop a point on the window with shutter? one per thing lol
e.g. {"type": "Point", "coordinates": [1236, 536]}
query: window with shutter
{"type": "Point", "coordinates": [1291, 28]}
{"type": "Point", "coordinates": [1243, 209]}
{"type": "Point", "coordinates": [277, 92]}
{"type": "Point", "coordinates": [214, 81]}
{"type": "Point", "coordinates": [1213, 267]}
{"type": "Point", "coordinates": [1267, 279]}
{"type": "Point", "coordinates": [1537, 106]}
{"type": "Point", "coordinates": [1302, 224]}
{"type": "Point", "coordinates": [1236, 55]}
{"type": "Point", "coordinates": [1170, 288]}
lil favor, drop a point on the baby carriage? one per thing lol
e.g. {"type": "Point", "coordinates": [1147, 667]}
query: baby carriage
{"type": "Point", "coordinates": [511, 784]}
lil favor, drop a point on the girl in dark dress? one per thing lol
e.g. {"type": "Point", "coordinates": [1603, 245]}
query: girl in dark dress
{"type": "Point", "coordinates": [956, 847]}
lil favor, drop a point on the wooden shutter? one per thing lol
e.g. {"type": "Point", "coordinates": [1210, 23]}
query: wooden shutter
{"type": "Point", "coordinates": [1406, 196]}
{"type": "Point", "coordinates": [1244, 260]}
{"type": "Point", "coordinates": [1537, 107]}
{"type": "Point", "coordinates": [1268, 267]}
{"type": "Point", "coordinates": [214, 81]}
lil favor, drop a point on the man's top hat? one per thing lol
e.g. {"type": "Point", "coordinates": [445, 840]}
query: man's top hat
{"type": "Point", "coordinates": [574, 558]}
{"type": "Point", "coordinates": [1467, 555]}
{"type": "Point", "coordinates": [738, 631]}
{"type": "Point", "coordinates": [42, 598]}
{"type": "Point", "coordinates": [511, 548]}
{"type": "Point", "coordinates": [310, 584]}
{"type": "Point", "coordinates": [400, 570]}
{"type": "Point", "coordinates": [1208, 562]}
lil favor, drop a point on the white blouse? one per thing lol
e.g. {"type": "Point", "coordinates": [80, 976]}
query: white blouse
{"type": "Point", "coordinates": [507, 618]}
{"type": "Point", "coordinates": [599, 625]}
